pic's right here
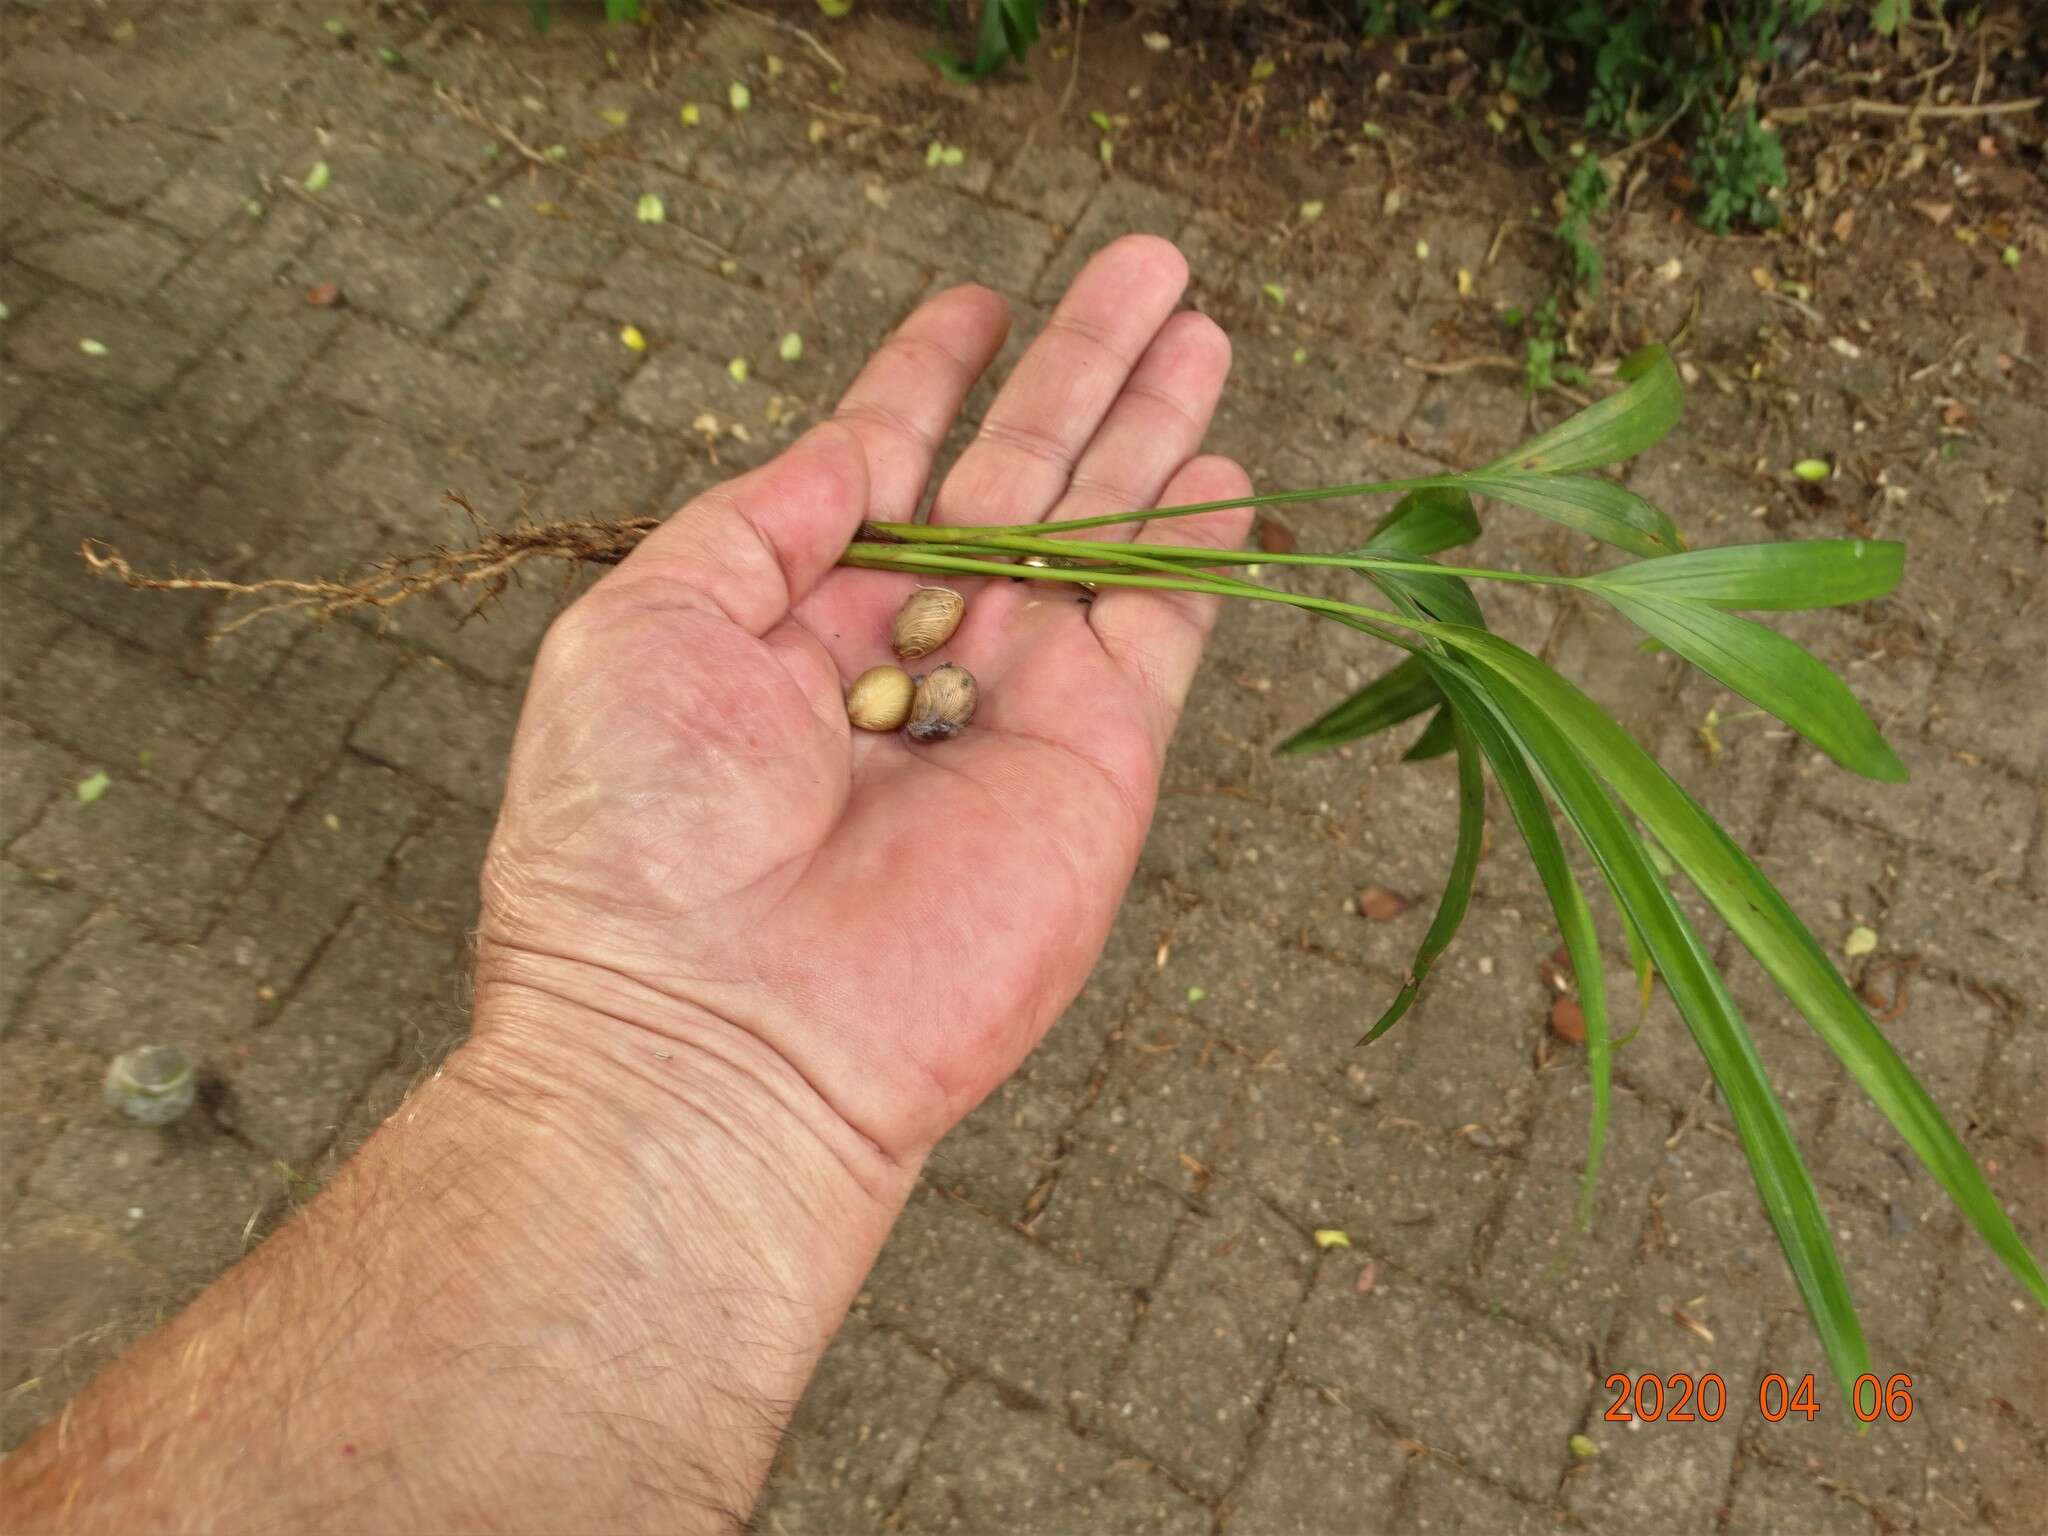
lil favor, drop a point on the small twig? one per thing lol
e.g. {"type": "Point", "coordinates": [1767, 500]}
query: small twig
{"type": "Point", "coordinates": [1629, 151]}
{"type": "Point", "coordinates": [831, 59]}
{"type": "Point", "coordinates": [852, 119]}
{"type": "Point", "coordinates": [795, 31]}
{"type": "Point", "coordinates": [1801, 305]}
{"type": "Point", "coordinates": [1863, 106]}
{"type": "Point", "coordinates": [1499, 235]}
{"type": "Point", "coordinates": [1489, 360]}
{"type": "Point", "coordinates": [474, 115]}
{"type": "Point", "coordinates": [1073, 73]}
{"type": "Point", "coordinates": [1463, 364]}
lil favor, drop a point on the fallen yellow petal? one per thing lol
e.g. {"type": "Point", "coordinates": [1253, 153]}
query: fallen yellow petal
{"type": "Point", "coordinates": [631, 336]}
{"type": "Point", "coordinates": [1332, 1237]}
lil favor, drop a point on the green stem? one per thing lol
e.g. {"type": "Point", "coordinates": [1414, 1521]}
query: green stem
{"type": "Point", "coordinates": [925, 533]}
{"type": "Point", "coordinates": [1191, 555]}
{"type": "Point", "coordinates": [895, 557]}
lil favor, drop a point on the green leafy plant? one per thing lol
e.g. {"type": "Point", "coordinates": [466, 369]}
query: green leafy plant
{"type": "Point", "coordinates": [1585, 197]}
{"type": "Point", "coordinates": [1634, 68]}
{"type": "Point", "coordinates": [1006, 31]}
{"type": "Point", "coordinates": [543, 12]}
{"type": "Point", "coordinates": [1738, 162]}
{"type": "Point", "coordinates": [1541, 368]}
{"type": "Point", "coordinates": [1563, 765]}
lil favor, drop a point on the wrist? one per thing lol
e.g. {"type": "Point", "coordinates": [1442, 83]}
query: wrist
{"type": "Point", "coordinates": [631, 1085]}
{"type": "Point", "coordinates": [556, 1291]}
{"type": "Point", "coordinates": [697, 1231]}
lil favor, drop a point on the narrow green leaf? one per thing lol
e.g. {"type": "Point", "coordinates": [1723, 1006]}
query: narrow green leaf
{"type": "Point", "coordinates": [1425, 522]}
{"type": "Point", "coordinates": [1805, 573]}
{"type": "Point", "coordinates": [1445, 598]}
{"type": "Point", "coordinates": [1611, 513]}
{"type": "Point", "coordinates": [1610, 430]}
{"type": "Point", "coordinates": [1450, 911]}
{"type": "Point", "coordinates": [1508, 757]}
{"type": "Point", "coordinates": [1772, 932]}
{"type": "Point", "coordinates": [1772, 673]}
{"type": "Point", "coordinates": [1437, 738]}
{"type": "Point", "coordinates": [993, 45]}
{"type": "Point", "coordinates": [1020, 24]}
{"type": "Point", "coordinates": [1639, 958]}
{"type": "Point", "coordinates": [1398, 695]}
{"type": "Point", "coordinates": [1783, 1184]}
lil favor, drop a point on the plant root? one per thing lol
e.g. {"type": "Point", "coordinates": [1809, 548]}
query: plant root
{"type": "Point", "coordinates": [492, 564]}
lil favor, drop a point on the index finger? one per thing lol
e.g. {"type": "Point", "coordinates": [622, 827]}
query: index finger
{"type": "Point", "coordinates": [903, 402]}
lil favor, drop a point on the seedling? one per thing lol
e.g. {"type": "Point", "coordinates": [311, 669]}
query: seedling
{"type": "Point", "coordinates": [1501, 711]}
{"type": "Point", "coordinates": [1547, 744]}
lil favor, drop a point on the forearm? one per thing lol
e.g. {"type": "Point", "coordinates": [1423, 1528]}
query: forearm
{"type": "Point", "coordinates": [580, 1290]}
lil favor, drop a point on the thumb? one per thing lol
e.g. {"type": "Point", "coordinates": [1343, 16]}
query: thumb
{"type": "Point", "coordinates": [755, 545]}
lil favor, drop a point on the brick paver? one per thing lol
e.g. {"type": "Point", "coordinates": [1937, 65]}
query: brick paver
{"type": "Point", "coordinates": [1107, 1311]}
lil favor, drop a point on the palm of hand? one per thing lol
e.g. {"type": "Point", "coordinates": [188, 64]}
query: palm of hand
{"type": "Point", "coordinates": [691, 818]}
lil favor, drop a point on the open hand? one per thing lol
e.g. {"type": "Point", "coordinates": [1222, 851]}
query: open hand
{"type": "Point", "coordinates": [695, 845]}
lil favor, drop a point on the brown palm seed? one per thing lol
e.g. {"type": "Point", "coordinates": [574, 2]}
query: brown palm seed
{"type": "Point", "coordinates": [879, 699]}
{"type": "Point", "coordinates": [926, 621]}
{"type": "Point", "coordinates": [944, 704]}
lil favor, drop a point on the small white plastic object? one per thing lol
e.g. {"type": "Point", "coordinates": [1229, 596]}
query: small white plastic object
{"type": "Point", "coordinates": [153, 1084]}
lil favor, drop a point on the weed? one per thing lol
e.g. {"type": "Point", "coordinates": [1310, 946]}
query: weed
{"type": "Point", "coordinates": [1631, 68]}
{"type": "Point", "coordinates": [1738, 162]}
{"type": "Point", "coordinates": [1541, 369]}
{"type": "Point", "coordinates": [1585, 195]}
{"type": "Point", "coordinates": [543, 12]}
{"type": "Point", "coordinates": [1008, 28]}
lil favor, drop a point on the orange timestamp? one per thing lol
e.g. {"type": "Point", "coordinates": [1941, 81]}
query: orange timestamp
{"type": "Point", "coordinates": [1682, 1398]}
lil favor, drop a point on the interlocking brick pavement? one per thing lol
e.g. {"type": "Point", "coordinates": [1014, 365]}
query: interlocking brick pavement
{"type": "Point", "coordinates": [1107, 1309]}
{"type": "Point", "coordinates": [991, 1464]}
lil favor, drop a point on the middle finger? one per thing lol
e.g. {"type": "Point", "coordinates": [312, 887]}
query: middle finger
{"type": "Point", "coordinates": [1047, 411]}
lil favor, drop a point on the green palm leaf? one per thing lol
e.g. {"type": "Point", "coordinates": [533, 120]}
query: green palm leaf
{"type": "Point", "coordinates": [1771, 672]}
{"type": "Point", "coordinates": [1508, 756]}
{"type": "Point", "coordinates": [1786, 1189]}
{"type": "Point", "coordinates": [1387, 700]}
{"type": "Point", "coordinates": [1772, 932]}
{"type": "Point", "coordinates": [1808, 573]}
{"type": "Point", "coordinates": [1610, 430]}
{"type": "Point", "coordinates": [1450, 911]}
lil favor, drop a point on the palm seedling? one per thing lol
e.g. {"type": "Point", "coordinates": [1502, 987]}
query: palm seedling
{"type": "Point", "coordinates": [1560, 762]}
{"type": "Point", "coordinates": [1549, 746]}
